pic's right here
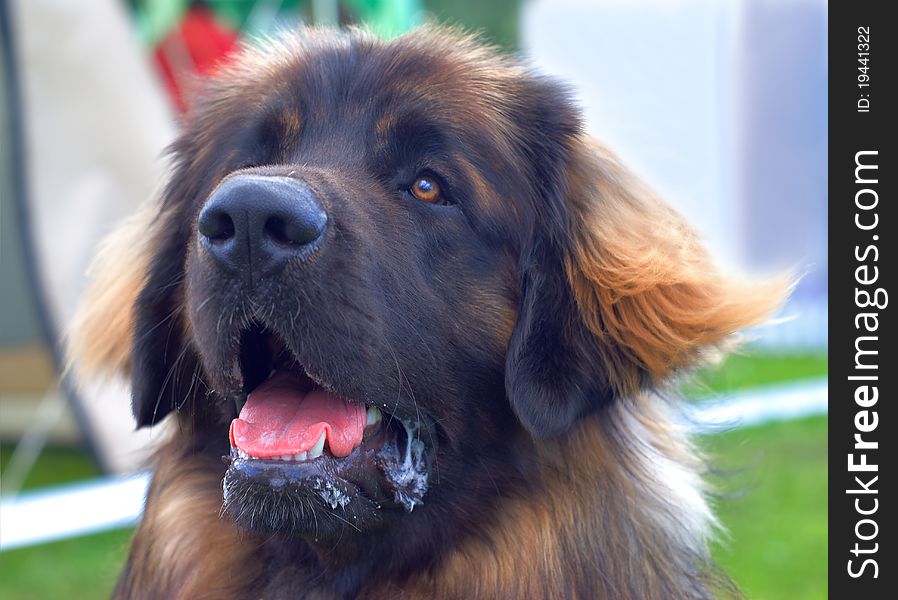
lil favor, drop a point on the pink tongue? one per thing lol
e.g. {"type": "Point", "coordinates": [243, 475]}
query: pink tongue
{"type": "Point", "coordinates": [278, 420]}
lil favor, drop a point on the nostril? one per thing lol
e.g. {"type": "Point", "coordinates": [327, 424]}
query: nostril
{"type": "Point", "coordinates": [276, 229]}
{"type": "Point", "coordinates": [294, 231]}
{"type": "Point", "coordinates": [216, 225]}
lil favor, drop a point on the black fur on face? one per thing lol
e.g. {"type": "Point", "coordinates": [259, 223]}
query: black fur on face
{"type": "Point", "coordinates": [454, 318]}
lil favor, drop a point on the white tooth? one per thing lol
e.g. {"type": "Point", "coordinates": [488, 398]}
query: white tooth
{"type": "Point", "coordinates": [286, 457]}
{"type": "Point", "coordinates": [374, 415]}
{"type": "Point", "coordinates": [316, 450]}
{"type": "Point", "coordinates": [299, 456]}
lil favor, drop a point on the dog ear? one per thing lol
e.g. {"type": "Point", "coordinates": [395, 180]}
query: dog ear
{"type": "Point", "coordinates": [551, 375]}
{"type": "Point", "coordinates": [162, 362]}
{"type": "Point", "coordinates": [618, 301]}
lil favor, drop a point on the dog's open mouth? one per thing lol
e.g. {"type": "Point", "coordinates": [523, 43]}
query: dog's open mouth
{"type": "Point", "coordinates": [297, 440]}
{"type": "Point", "coordinates": [287, 417]}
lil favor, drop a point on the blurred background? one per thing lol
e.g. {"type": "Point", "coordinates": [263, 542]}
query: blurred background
{"type": "Point", "coordinates": [719, 104]}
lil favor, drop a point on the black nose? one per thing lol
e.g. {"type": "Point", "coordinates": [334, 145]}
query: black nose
{"type": "Point", "coordinates": [259, 223]}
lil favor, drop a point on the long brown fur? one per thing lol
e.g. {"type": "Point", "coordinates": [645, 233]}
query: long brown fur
{"type": "Point", "coordinates": [623, 483]}
{"type": "Point", "coordinates": [643, 280]}
{"type": "Point", "coordinates": [99, 341]}
{"type": "Point", "coordinates": [181, 546]}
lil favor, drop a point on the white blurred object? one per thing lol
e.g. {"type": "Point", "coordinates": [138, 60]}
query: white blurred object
{"type": "Point", "coordinates": [805, 328]}
{"type": "Point", "coordinates": [72, 510]}
{"type": "Point", "coordinates": [763, 404]}
{"type": "Point", "coordinates": [720, 106]}
{"type": "Point", "coordinates": [95, 124]}
{"type": "Point", "coordinates": [654, 81]}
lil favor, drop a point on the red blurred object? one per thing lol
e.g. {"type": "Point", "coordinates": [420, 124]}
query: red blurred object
{"type": "Point", "coordinates": [194, 48]}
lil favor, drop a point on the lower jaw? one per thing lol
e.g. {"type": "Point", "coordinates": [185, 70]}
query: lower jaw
{"type": "Point", "coordinates": [301, 499]}
{"type": "Point", "coordinates": [328, 496]}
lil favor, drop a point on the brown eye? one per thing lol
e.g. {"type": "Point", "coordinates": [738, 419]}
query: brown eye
{"type": "Point", "coordinates": [426, 189]}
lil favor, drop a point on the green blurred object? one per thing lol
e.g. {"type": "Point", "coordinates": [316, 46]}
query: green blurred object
{"type": "Point", "coordinates": [155, 18]}
{"type": "Point", "coordinates": [776, 514]}
{"type": "Point", "coordinates": [389, 18]}
{"type": "Point", "coordinates": [498, 19]}
{"type": "Point", "coordinates": [751, 369]}
{"type": "Point", "coordinates": [55, 466]}
{"type": "Point", "coordinates": [85, 567]}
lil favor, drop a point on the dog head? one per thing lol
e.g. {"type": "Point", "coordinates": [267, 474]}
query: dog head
{"type": "Point", "coordinates": [382, 274]}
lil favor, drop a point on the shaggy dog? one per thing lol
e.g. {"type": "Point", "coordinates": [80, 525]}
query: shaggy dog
{"type": "Point", "coordinates": [410, 326]}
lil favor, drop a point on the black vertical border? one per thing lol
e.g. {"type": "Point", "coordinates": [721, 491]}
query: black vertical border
{"type": "Point", "coordinates": [852, 131]}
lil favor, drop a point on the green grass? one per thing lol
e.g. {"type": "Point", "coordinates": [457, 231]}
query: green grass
{"type": "Point", "coordinates": [777, 519]}
{"type": "Point", "coordinates": [85, 567]}
{"type": "Point", "coordinates": [750, 369]}
{"type": "Point", "coordinates": [774, 484]}
{"type": "Point", "coordinates": [776, 549]}
{"type": "Point", "coordinates": [55, 466]}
